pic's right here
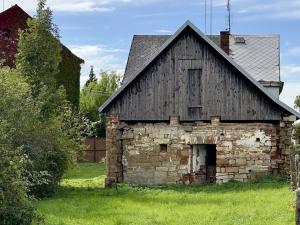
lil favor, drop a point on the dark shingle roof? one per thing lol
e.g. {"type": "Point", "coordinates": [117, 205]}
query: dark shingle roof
{"type": "Point", "coordinates": [142, 47]}
{"type": "Point", "coordinates": [259, 56]}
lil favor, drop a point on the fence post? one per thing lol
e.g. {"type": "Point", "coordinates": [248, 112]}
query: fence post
{"type": "Point", "coordinates": [298, 206]}
{"type": "Point", "coordinates": [94, 149]}
{"type": "Point", "coordinates": [297, 166]}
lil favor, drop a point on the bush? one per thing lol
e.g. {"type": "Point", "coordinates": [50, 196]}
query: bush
{"type": "Point", "coordinates": [45, 128]}
{"type": "Point", "coordinates": [15, 204]}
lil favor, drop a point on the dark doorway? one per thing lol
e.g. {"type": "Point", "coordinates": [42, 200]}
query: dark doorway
{"type": "Point", "coordinates": [203, 163]}
{"type": "Point", "coordinates": [211, 163]}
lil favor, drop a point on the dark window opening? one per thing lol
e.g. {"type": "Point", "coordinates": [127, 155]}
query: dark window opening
{"type": "Point", "coordinates": [163, 148]}
{"type": "Point", "coordinates": [5, 34]}
{"type": "Point", "coordinates": [257, 139]}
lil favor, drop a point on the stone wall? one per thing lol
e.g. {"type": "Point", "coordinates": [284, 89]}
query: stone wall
{"type": "Point", "coordinates": [160, 153]}
{"type": "Point", "coordinates": [114, 153]}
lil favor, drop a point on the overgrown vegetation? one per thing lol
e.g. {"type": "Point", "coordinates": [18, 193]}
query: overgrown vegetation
{"type": "Point", "coordinates": [82, 200]}
{"type": "Point", "coordinates": [40, 133]}
{"type": "Point", "coordinates": [94, 94]}
{"type": "Point", "coordinates": [296, 132]}
{"type": "Point", "coordinates": [39, 50]}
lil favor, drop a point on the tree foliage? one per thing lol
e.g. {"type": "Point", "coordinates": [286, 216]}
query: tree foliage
{"type": "Point", "coordinates": [39, 50]}
{"type": "Point", "coordinates": [53, 134]}
{"type": "Point", "coordinates": [15, 203]}
{"type": "Point", "coordinates": [297, 102]}
{"type": "Point", "coordinates": [297, 126]}
{"type": "Point", "coordinates": [40, 133]}
{"type": "Point", "coordinates": [92, 77]}
{"type": "Point", "coordinates": [95, 94]}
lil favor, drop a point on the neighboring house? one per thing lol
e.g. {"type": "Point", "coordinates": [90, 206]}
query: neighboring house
{"type": "Point", "coordinates": [13, 19]}
{"type": "Point", "coordinates": [187, 112]}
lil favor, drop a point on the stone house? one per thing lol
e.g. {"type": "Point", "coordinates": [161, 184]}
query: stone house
{"type": "Point", "coordinates": [198, 109]}
{"type": "Point", "coordinates": [14, 19]}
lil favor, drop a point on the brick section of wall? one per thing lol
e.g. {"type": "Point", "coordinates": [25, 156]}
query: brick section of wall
{"type": "Point", "coordinates": [174, 120]}
{"type": "Point", "coordinates": [114, 165]}
{"type": "Point", "coordinates": [288, 156]}
{"type": "Point", "coordinates": [243, 151]}
{"type": "Point", "coordinates": [224, 41]}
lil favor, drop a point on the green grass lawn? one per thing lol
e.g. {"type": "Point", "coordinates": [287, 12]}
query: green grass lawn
{"type": "Point", "coordinates": [82, 200]}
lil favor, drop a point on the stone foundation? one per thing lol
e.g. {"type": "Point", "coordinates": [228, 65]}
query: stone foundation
{"type": "Point", "coordinates": [161, 153]}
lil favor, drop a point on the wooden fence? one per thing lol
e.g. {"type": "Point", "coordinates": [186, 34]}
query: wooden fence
{"type": "Point", "coordinates": [95, 152]}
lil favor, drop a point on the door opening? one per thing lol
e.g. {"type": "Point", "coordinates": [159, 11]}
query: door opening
{"type": "Point", "coordinates": [203, 163]}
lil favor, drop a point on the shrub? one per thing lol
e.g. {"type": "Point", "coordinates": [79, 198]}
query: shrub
{"type": "Point", "coordinates": [15, 203]}
{"type": "Point", "coordinates": [46, 128]}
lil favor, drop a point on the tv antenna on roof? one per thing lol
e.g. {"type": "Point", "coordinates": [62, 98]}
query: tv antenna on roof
{"type": "Point", "coordinates": [229, 15]}
{"type": "Point", "coordinates": [205, 16]}
{"type": "Point", "coordinates": [210, 14]}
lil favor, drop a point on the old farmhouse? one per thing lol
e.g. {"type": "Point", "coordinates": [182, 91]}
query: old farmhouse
{"type": "Point", "coordinates": [198, 109]}
{"type": "Point", "coordinates": [14, 19]}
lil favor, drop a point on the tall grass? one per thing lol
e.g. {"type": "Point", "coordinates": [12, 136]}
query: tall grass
{"type": "Point", "coordinates": [82, 200]}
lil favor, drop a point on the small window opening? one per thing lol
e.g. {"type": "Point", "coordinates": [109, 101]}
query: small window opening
{"type": "Point", "coordinates": [257, 139]}
{"type": "Point", "coordinates": [163, 147]}
{"type": "Point", "coordinates": [5, 34]}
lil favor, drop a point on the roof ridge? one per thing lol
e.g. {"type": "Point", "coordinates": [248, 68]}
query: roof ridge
{"type": "Point", "coordinates": [16, 6]}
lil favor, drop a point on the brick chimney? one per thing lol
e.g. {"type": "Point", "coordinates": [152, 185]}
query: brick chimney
{"type": "Point", "coordinates": [224, 41]}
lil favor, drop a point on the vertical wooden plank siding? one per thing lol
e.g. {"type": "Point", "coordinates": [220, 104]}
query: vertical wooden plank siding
{"type": "Point", "coordinates": [187, 74]}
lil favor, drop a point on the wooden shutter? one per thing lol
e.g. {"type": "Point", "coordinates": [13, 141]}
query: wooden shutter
{"type": "Point", "coordinates": [194, 88]}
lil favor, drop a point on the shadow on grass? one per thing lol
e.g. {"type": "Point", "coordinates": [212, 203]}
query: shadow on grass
{"type": "Point", "coordinates": [92, 171]}
{"type": "Point", "coordinates": [86, 171]}
{"type": "Point", "coordinates": [266, 183]}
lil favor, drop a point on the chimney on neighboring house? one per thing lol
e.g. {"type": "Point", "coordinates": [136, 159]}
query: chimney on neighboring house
{"type": "Point", "coordinates": [224, 41]}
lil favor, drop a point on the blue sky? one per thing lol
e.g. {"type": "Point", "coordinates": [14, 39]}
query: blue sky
{"type": "Point", "coordinates": [100, 31]}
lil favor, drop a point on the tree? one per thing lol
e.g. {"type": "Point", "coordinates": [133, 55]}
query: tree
{"type": "Point", "coordinates": [53, 135]}
{"type": "Point", "coordinates": [92, 96]}
{"type": "Point", "coordinates": [92, 77]}
{"type": "Point", "coordinates": [39, 49]}
{"type": "Point", "coordinates": [15, 204]}
{"type": "Point", "coordinates": [297, 102]}
{"type": "Point", "coordinates": [297, 126]}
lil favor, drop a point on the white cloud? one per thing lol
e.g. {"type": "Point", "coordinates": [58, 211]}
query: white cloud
{"type": "Point", "coordinates": [268, 9]}
{"type": "Point", "coordinates": [294, 51]}
{"type": "Point", "coordinates": [100, 56]}
{"type": "Point", "coordinates": [81, 7]}
{"type": "Point", "coordinates": [289, 93]}
{"type": "Point", "coordinates": [291, 77]}
{"type": "Point", "coordinates": [162, 31]}
{"type": "Point", "coordinates": [291, 70]}
{"type": "Point", "coordinates": [76, 5]}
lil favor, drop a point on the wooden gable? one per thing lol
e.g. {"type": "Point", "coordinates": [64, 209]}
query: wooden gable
{"type": "Point", "coordinates": [190, 79]}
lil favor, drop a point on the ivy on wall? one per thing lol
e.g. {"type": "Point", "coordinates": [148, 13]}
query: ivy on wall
{"type": "Point", "coordinates": [69, 75]}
